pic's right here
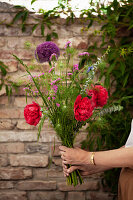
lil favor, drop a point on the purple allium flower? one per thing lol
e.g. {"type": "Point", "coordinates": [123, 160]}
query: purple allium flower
{"type": "Point", "coordinates": [53, 57]}
{"type": "Point", "coordinates": [50, 69]}
{"type": "Point", "coordinates": [48, 98]}
{"type": "Point", "coordinates": [67, 44]}
{"type": "Point", "coordinates": [75, 67]}
{"type": "Point", "coordinates": [89, 69]}
{"type": "Point", "coordinates": [45, 50]}
{"type": "Point", "coordinates": [84, 54]}
{"type": "Point", "coordinates": [57, 104]}
{"type": "Point", "coordinates": [53, 98]}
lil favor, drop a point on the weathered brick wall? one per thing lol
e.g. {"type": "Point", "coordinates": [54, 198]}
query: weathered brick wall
{"type": "Point", "coordinates": [25, 169]}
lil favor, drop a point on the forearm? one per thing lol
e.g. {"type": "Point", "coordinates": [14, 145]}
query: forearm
{"type": "Point", "coordinates": [122, 157]}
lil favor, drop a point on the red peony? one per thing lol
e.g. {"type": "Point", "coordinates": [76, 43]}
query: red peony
{"type": "Point", "coordinates": [99, 96]}
{"type": "Point", "coordinates": [82, 108]}
{"type": "Point", "coordinates": [32, 113]}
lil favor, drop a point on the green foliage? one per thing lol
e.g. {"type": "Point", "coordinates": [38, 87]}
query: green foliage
{"type": "Point", "coordinates": [109, 132]}
{"type": "Point", "coordinates": [116, 30]}
{"type": "Point", "coordinates": [5, 80]}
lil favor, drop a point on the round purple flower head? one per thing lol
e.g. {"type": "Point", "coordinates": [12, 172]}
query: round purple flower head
{"type": "Point", "coordinates": [45, 50]}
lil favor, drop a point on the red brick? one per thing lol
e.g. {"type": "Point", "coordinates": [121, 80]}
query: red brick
{"type": "Point", "coordinates": [88, 185]}
{"type": "Point", "coordinates": [37, 148]}
{"type": "Point", "coordinates": [6, 185]}
{"type": "Point", "coordinates": [21, 101]}
{"type": "Point", "coordinates": [6, 124]}
{"type": "Point", "coordinates": [2, 42]}
{"type": "Point", "coordinates": [29, 160]}
{"type": "Point", "coordinates": [4, 100]}
{"type": "Point", "coordinates": [11, 113]}
{"type": "Point", "coordinates": [55, 150]}
{"type": "Point", "coordinates": [99, 196]}
{"type": "Point", "coordinates": [43, 174]}
{"type": "Point", "coordinates": [57, 161]}
{"type": "Point", "coordinates": [12, 65]}
{"type": "Point", "coordinates": [2, 91]}
{"type": "Point", "coordinates": [11, 147]}
{"type": "Point", "coordinates": [54, 195]}
{"type": "Point", "coordinates": [36, 185]}
{"type": "Point", "coordinates": [15, 173]}
{"type": "Point", "coordinates": [22, 54]}
{"type": "Point", "coordinates": [3, 160]}
{"type": "Point", "coordinates": [13, 196]}
{"type": "Point", "coordinates": [82, 45]}
{"type": "Point", "coordinates": [22, 125]}
{"type": "Point", "coordinates": [76, 195]}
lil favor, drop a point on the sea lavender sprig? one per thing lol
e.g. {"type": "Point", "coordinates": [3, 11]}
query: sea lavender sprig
{"type": "Point", "coordinates": [92, 69]}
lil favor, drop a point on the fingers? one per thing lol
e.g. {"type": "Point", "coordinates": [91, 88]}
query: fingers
{"type": "Point", "coordinates": [65, 170]}
{"type": "Point", "coordinates": [69, 170]}
{"type": "Point", "coordinates": [63, 148]}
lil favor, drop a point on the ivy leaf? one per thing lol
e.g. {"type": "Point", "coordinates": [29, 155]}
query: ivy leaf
{"type": "Point", "coordinates": [48, 37]}
{"type": "Point", "coordinates": [90, 24]}
{"type": "Point", "coordinates": [42, 29]}
{"type": "Point", "coordinates": [55, 35]}
{"type": "Point", "coordinates": [34, 27]}
{"type": "Point", "coordinates": [19, 7]}
{"type": "Point", "coordinates": [7, 90]}
{"type": "Point", "coordinates": [1, 86]}
{"type": "Point", "coordinates": [32, 1]}
{"type": "Point", "coordinates": [18, 16]}
{"type": "Point", "coordinates": [26, 13]}
{"type": "Point", "coordinates": [3, 68]}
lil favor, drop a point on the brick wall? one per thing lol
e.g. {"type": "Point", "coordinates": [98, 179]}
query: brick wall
{"type": "Point", "coordinates": [25, 169]}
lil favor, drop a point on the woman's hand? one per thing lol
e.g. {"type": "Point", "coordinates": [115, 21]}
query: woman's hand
{"type": "Point", "coordinates": [85, 170]}
{"type": "Point", "coordinates": [74, 156]}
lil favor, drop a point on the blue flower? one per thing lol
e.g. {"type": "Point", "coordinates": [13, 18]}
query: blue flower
{"type": "Point", "coordinates": [89, 69]}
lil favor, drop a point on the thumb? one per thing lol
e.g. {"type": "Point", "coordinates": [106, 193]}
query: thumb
{"type": "Point", "coordinates": [71, 169]}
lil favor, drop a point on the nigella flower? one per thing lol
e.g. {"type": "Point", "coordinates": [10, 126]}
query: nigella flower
{"type": "Point", "coordinates": [89, 69]}
{"type": "Point", "coordinates": [55, 88]}
{"type": "Point", "coordinates": [58, 105]}
{"type": "Point", "coordinates": [84, 54]}
{"type": "Point", "coordinates": [75, 67]}
{"type": "Point", "coordinates": [53, 57]}
{"type": "Point", "coordinates": [67, 44]}
{"type": "Point", "coordinates": [53, 82]}
{"type": "Point", "coordinates": [69, 74]}
{"type": "Point", "coordinates": [44, 51]}
{"type": "Point", "coordinates": [52, 68]}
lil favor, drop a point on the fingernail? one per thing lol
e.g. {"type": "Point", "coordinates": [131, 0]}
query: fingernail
{"type": "Point", "coordinates": [67, 174]}
{"type": "Point", "coordinates": [68, 170]}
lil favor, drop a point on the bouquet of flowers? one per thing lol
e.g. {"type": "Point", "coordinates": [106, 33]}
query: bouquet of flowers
{"type": "Point", "coordinates": [70, 96]}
